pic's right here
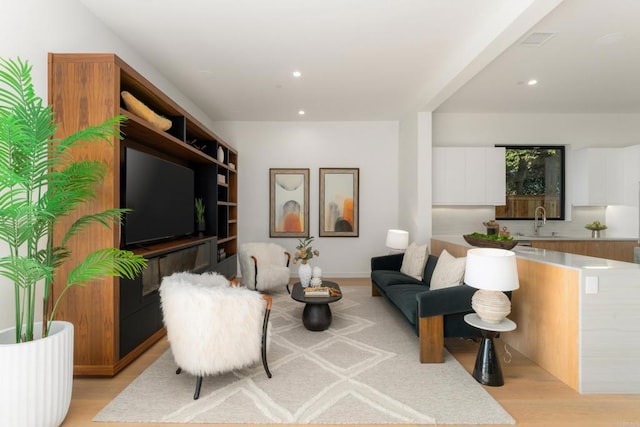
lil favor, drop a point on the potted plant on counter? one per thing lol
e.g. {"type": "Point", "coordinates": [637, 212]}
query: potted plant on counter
{"type": "Point", "coordinates": [40, 183]}
{"type": "Point", "coordinates": [595, 227]}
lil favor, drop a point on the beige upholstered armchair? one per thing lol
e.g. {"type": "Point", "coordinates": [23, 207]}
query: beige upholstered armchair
{"type": "Point", "coordinates": [213, 327]}
{"type": "Point", "coordinates": [264, 266]}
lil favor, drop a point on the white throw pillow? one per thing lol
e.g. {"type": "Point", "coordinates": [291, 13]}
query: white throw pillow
{"type": "Point", "coordinates": [449, 271]}
{"type": "Point", "coordinates": [414, 260]}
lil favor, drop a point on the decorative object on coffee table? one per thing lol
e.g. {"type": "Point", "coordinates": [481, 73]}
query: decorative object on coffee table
{"type": "Point", "coordinates": [304, 254]}
{"type": "Point", "coordinates": [316, 315]}
{"type": "Point", "coordinates": [304, 274]}
{"type": "Point", "coordinates": [316, 277]}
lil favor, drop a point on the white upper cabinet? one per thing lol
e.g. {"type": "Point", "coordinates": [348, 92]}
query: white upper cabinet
{"type": "Point", "coordinates": [631, 182]}
{"type": "Point", "coordinates": [469, 176]}
{"type": "Point", "coordinates": [598, 177]}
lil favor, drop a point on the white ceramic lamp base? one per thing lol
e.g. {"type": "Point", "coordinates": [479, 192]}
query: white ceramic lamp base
{"type": "Point", "coordinates": [491, 306]}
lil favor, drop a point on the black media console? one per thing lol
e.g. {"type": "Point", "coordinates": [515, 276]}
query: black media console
{"type": "Point", "coordinates": [140, 313]}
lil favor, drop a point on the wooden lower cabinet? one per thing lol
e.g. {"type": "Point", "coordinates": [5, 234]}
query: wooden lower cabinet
{"type": "Point", "coordinates": [618, 250]}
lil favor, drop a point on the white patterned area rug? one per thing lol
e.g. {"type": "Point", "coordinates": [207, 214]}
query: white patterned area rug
{"type": "Point", "coordinates": [363, 370]}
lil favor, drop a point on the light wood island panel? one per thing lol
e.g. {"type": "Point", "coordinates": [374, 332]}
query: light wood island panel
{"type": "Point", "coordinates": [546, 310]}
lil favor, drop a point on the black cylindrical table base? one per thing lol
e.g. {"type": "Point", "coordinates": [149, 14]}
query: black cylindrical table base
{"type": "Point", "coordinates": [487, 369]}
{"type": "Point", "coordinates": [316, 317]}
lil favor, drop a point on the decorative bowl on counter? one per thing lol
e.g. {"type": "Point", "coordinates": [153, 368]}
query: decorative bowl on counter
{"type": "Point", "coordinates": [484, 241]}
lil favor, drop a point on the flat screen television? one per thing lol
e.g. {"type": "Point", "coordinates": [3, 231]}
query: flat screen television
{"type": "Point", "coordinates": [161, 196]}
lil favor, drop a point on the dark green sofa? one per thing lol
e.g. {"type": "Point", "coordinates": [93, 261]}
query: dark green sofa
{"type": "Point", "coordinates": [434, 315]}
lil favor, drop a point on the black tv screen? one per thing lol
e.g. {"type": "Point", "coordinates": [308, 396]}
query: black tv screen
{"type": "Point", "coordinates": [161, 196]}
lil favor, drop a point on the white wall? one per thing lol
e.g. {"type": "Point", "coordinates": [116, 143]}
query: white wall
{"type": "Point", "coordinates": [370, 146]}
{"type": "Point", "coordinates": [574, 130]}
{"type": "Point", "coordinates": [577, 130]}
{"type": "Point", "coordinates": [414, 191]}
{"type": "Point", "coordinates": [32, 28]}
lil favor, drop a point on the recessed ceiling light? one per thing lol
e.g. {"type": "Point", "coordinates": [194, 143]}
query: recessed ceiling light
{"type": "Point", "coordinates": [301, 112]}
{"type": "Point", "coordinates": [297, 74]}
{"type": "Point", "coordinates": [532, 82]}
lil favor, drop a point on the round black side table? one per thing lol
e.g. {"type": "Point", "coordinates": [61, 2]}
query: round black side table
{"type": "Point", "coordinates": [316, 315]}
{"type": "Point", "coordinates": [487, 369]}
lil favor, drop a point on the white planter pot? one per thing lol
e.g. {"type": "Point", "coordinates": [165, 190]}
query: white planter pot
{"type": "Point", "coordinates": [37, 377]}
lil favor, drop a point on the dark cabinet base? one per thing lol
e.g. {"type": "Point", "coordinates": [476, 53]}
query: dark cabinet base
{"type": "Point", "coordinates": [140, 312]}
{"type": "Point", "coordinates": [228, 267]}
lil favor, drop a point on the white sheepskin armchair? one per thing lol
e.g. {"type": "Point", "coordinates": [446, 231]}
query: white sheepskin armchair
{"type": "Point", "coordinates": [264, 266]}
{"type": "Point", "coordinates": [213, 327]}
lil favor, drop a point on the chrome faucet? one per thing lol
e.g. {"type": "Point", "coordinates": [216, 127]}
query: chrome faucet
{"type": "Point", "coordinates": [536, 221]}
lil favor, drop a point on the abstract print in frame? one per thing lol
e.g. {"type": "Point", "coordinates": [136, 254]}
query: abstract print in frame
{"type": "Point", "coordinates": [288, 202]}
{"type": "Point", "coordinates": [339, 202]}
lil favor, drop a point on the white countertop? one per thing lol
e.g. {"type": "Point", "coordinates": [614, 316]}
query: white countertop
{"type": "Point", "coordinates": [547, 256]}
{"type": "Point", "coordinates": [579, 238]}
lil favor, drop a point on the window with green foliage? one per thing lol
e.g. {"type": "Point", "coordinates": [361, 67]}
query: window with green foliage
{"type": "Point", "coordinates": [535, 177]}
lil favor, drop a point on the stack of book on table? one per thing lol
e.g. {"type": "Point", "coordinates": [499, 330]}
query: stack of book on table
{"type": "Point", "coordinates": [317, 291]}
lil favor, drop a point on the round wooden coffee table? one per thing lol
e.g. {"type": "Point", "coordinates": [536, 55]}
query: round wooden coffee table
{"type": "Point", "coordinates": [316, 315]}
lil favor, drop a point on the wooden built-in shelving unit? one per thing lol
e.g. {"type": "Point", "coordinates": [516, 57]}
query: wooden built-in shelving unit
{"type": "Point", "coordinates": [84, 89]}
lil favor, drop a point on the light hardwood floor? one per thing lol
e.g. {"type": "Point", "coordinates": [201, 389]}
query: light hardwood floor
{"type": "Point", "coordinates": [531, 395]}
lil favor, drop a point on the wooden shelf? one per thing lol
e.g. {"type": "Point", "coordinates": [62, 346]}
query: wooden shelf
{"type": "Point", "coordinates": [160, 248]}
{"type": "Point", "coordinates": [84, 89]}
{"type": "Point", "coordinates": [137, 129]}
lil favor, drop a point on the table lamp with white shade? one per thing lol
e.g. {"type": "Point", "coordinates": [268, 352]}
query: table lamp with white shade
{"type": "Point", "coordinates": [492, 272]}
{"type": "Point", "coordinates": [397, 240]}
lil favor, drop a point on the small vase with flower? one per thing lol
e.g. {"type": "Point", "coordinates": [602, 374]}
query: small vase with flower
{"type": "Point", "coordinates": [304, 253]}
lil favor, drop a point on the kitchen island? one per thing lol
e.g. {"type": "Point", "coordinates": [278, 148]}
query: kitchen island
{"type": "Point", "coordinates": [578, 317]}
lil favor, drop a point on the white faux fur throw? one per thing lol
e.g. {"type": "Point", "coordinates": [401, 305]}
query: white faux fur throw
{"type": "Point", "coordinates": [211, 326]}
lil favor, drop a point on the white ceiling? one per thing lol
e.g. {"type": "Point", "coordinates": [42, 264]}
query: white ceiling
{"type": "Point", "coordinates": [591, 65]}
{"type": "Point", "coordinates": [382, 59]}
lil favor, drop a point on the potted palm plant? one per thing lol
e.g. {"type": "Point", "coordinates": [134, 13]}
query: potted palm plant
{"type": "Point", "coordinates": [39, 184]}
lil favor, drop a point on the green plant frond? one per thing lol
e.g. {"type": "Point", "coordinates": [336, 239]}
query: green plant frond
{"type": "Point", "coordinates": [16, 87]}
{"type": "Point", "coordinates": [21, 222]}
{"type": "Point", "coordinates": [106, 218]}
{"type": "Point", "coordinates": [24, 271]}
{"type": "Point", "coordinates": [72, 186]}
{"type": "Point", "coordinates": [102, 132]}
{"type": "Point", "coordinates": [41, 182]}
{"type": "Point", "coordinates": [78, 175]}
{"type": "Point", "coordinates": [11, 198]}
{"type": "Point", "coordinates": [23, 157]}
{"type": "Point", "coordinates": [106, 262]}
{"type": "Point", "coordinates": [54, 257]}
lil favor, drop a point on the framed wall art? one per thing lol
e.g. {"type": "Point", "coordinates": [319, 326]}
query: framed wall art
{"type": "Point", "coordinates": [288, 202]}
{"type": "Point", "coordinates": [339, 202]}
